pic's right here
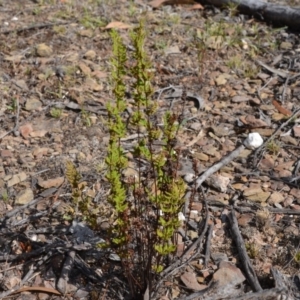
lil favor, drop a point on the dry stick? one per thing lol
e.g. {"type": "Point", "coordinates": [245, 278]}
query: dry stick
{"type": "Point", "coordinates": [265, 294]}
{"type": "Point", "coordinates": [62, 284]}
{"type": "Point", "coordinates": [37, 26]}
{"type": "Point", "coordinates": [216, 167]}
{"type": "Point", "coordinates": [294, 115]}
{"type": "Point", "coordinates": [244, 258]}
{"type": "Point", "coordinates": [18, 209]}
{"type": "Point", "coordinates": [16, 128]}
{"type": "Point", "coordinates": [207, 248]}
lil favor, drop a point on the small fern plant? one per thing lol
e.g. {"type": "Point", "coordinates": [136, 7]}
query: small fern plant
{"type": "Point", "coordinates": [146, 205]}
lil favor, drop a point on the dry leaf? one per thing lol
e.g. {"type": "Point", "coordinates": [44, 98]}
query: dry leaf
{"type": "Point", "coordinates": [281, 109]}
{"type": "Point", "coordinates": [117, 25]}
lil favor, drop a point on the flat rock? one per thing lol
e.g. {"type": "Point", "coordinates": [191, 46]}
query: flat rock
{"type": "Point", "coordinates": [219, 182]}
{"type": "Point", "coordinates": [43, 50]}
{"type": "Point", "coordinates": [275, 198]}
{"type": "Point", "coordinates": [17, 178]}
{"type": "Point", "coordinates": [25, 130]}
{"type": "Point", "coordinates": [90, 54]}
{"type": "Point", "coordinates": [228, 275]}
{"type": "Point", "coordinates": [256, 194]}
{"type": "Point", "coordinates": [39, 152]}
{"type": "Point", "coordinates": [240, 98]}
{"type": "Point", "coordinates": [33, 103]}
{"type": "Point", "coordinates": [296, 130]}
{"type": "Point", "coordinates": [218, 257]}
{"type": "Point", "coordinates": [55, 182]}
{"type": "Point", "coordinates": [84, 68]}
{"type": "Point", "coordinates": [6, 154]}
{"type": "Point", "coordinates": [21, 84]}
{"type": "Point", "coordinates": [190, 281]}
{"type": "Point", "coordinates": [24, 197]}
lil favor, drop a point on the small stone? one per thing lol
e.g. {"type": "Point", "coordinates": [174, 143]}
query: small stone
{"type": "Point", "coordinates": [240, 98]}
{"type": "Point", "coordinates": [267, 163]}
{"type": "Point", "coordinates": [86, 33]}
{"type": "Point", "coordinates": [196, 126]}
{"type": "Point", "coordinates": [43, 50]}
{"type": "Point", "coordinates": [21, 84]}
{"type": "Point", "coordinates": [189, 177]}
{"type": "Point", "coordinates": [219, 182]}
{"type": "Point", "coordinates": [252, 121]}
{"type": "Point", "coordinates": [222, 79]}
{"type": "Point", "coordinates": [172, 50]}
{"type": "Point", "coordinates": [192, 234]}
{"type": "Point", "coordinates": [202, 156]}
{"type": "Point", "coordinates": [84, 68]}
{"type": "Point", "coordinates": [275, 198]}
{"type": "Point", "coordinates": [55, 182]}
{"type": "Point", "coordinates": [24, 197]}
{"type": "Point", "coordinates": [33, 104]}
{"type": "Point", "coordinates": [39, 152]}
{"type": "Point", "coordinates": [228, 275]}
{"type": "Point", "coordinates": [289, 140]}
{"type": "Point", "coordinates": [218, 257]}
{"type": "Point", "coordinates": [194, 110]}
{"type": "Point", "coordinates": [6, 154]}
{"type": "Point", "coordinates": [221, 131]}
{"type": "Point", "coordinates": [190, 281]}
{"type": "Point", "coordinates": [296, 130]}
{"type": "Point", "coordinates": [25, 130]}
{"type": "Point", "coordinates": [197, 206]}
{"type": "Point", "coordinates": [90, 54]}
{"type": "Point", "coordinates": [15, 179]}
{"type": "Point", "coordinates": [93, 85]}
{"type": "Point", "coordinates": [295, 192]}
{"type": "Point", "coordinates": [286, 46]}
{"type": "Point", "coordinates": [244, 220]}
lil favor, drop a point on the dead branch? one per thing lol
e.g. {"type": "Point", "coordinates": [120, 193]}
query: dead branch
{"type": "Point", "coordinates": [278, 14]}
{"type": "Point", "coordinates": [244, 258]}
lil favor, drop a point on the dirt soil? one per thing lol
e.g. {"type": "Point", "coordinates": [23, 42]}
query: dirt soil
{"type": "Point", "coordinates": [241, 76]}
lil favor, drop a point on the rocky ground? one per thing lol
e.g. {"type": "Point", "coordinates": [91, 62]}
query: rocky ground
{"type": "Point", "coordinates": [240, 75]}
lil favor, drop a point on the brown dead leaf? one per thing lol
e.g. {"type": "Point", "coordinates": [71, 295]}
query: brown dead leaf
{"type": "Point", "coordinates": [252, 121]}
{"type": "Point", "coordinates": [117, 25]}
{"type": "Point", "coordinates": [55, 182]}
{"type": "Point", "coordinates": [281, 109]}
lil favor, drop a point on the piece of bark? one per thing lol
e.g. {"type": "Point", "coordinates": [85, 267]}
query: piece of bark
{"type": "Point", "coordinates": [244, 258]}
{"type": "Point", "coordinates": [278, 14]}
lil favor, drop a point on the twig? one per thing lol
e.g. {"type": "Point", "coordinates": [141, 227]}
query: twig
{"type": "Point", "coordinates": [18, 209]}
{"type": "Point", "coordinates": [281, 73]}
{"type": "Point", "coordinates": [244, 258]}
{"type": "Point", "coordinates": [37, 26]}
{"type": "Point", "coordinates": [62, 284]}
{"type": "Point", "coordinates": [16, 128]}
{"type": "Point", "coordinates": [216, 167]}
{"type": "Point", "coordinates": [207, 247]}
{"type": "Point", "coordinates": [265, 294]}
